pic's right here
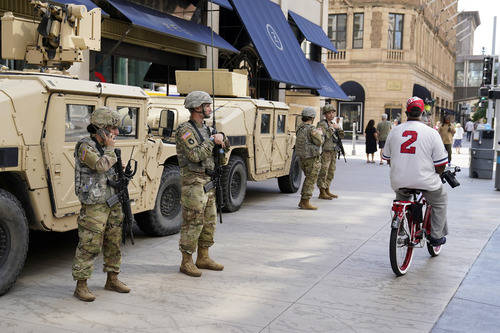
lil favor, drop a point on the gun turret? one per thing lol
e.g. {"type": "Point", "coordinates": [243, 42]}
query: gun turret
{"type": "Point", "coordinates": [57, 40]}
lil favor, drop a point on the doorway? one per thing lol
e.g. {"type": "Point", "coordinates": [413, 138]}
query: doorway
{"type": "Point", "coordinates": [351, 112]}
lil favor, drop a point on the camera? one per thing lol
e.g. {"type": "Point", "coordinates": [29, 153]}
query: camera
{"type": "Point", "coordinates": [449, 177]}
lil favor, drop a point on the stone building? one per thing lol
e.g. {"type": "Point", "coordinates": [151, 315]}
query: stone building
{"type": "Point", "coordinates": [391, 50]}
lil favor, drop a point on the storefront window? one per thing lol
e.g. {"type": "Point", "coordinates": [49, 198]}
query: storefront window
{"type": "Point", "coordinates": [120, 70]}
{"type": "Point", "coordinates": [337, 30]}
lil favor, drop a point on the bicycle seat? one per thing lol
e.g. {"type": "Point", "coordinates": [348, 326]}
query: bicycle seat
{"type": "Point", "coordinates": [411, 190]}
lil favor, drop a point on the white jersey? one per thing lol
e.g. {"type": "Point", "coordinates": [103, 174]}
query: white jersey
{"type": "Point", "coordinates": [414, 149]}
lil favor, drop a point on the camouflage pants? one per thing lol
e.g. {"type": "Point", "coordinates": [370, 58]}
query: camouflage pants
{"type": "Point", "coordinates": [99, 227]}
{"type": "Point", "coordinates": [311, 167]}
{"type": "Point", "coordinates": [327, 171]}
{"type": "Point", "coordinates": [199, 216]}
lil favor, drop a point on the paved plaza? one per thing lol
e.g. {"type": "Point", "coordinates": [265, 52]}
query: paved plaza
{"type": "Point", "coordinates": [286, 270]}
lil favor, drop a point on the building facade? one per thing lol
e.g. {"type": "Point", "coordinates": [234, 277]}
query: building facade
{"type": "Point", "coordinates": [391, 50]}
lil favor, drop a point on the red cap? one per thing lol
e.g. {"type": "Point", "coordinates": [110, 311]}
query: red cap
{"type": "Point", "coordinates": [415, 102]}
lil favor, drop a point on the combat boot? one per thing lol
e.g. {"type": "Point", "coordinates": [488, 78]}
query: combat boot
{"type": "Point", "coordinates": [324, 195]}
{"type": "Point", "coordinates": [205, 262]}
{"type": "Point", "coordinates": [188, 267]}
{"type": "Point", "coordinates": [304, 204]}
{"type": "Point", "coordinates": [113, 284]}
{"type": "Point", "coordinates": [82, 292]}
{"type": "Point", "coordinates": [327, 191]}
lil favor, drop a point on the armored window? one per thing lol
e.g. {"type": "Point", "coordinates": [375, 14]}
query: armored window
{"type": "Point", "coordinates": [280, 125]}
{"type": "Point", "coordinates": [337, 30]}
{"type": "Point", "coordinates": [265, 123]}
{"type": "Point", "coordinates": [395, 37]}
{"type": "Point", "coordinates": [77, 120]}
{"type": "Point", "coordinates": [358, 29]}
{"type": "Point", "coordinates": [128, 122]}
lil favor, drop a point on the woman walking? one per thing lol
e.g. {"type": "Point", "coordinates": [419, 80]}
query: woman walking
{"type": "Point", "coordinates": [458, 137]}
{"type": "Point", "coordinates": [371, 140]}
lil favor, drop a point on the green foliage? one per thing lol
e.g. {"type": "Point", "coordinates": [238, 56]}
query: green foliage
{"type": "Point", "coordinates": [481, 108]}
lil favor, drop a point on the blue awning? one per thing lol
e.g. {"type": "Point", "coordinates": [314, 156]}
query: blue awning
{"type": "Point", "coordinates": [329, 87]}
{"type": "Point", "coordinates": [87, 3]}
{"type": "Point", "coordinates": [170, 25]}
{"type": "Point", "coordinates": [275, 42]}
{"type": "Point", "coordinates": [312, 32]}
{"type": "Point", "coordinates": [222, 3]}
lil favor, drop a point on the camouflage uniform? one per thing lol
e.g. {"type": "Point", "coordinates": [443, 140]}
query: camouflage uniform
{"type": "Point", "coordinates": [99, 226]}
{"type": "Point", "coordinates": [329, 154]}
{"type": "Point", "coordinates": [307, 147]}
{"type": "Point", "coordinates": [196, 160]}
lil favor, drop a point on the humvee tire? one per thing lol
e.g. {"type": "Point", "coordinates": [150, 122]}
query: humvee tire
{"type": "Point", "coordinates": [14, 240]}
{"type": "Point", "coordinates": [291, 183]}
{"type": "Point", "coordinates": [234, 183]}
{"type": "Point", "coordinates": [166, 218]}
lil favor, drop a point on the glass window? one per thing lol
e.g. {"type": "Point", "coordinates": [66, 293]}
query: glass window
{"type": "Point", "coordinates": [280, 127]}
{"type": "Point", "coordinates": [77, 120]}
{"type": "Point", "coordinates": [120, 70]}
{"type": "Point", "coordinates": [358, 28]}
{"type": "Point", "coordinates": [337, 30]}
{"type": "Point", "coordinates": [265, 123]}
{"type": "Point", "coordinates": [459, 75]}
{"type": "Point", "coordinates": [128, 122]}
{"type": "Point", "coordinates": [395, 37]}
{"type": "Point", "coordinates": [475, 75]}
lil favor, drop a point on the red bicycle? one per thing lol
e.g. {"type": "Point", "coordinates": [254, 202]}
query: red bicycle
{"type": "Point", "coordinates": [411, 226]}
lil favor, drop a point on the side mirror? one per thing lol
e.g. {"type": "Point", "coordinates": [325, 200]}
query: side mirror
{"type": "Point", "coordinates": [166, 126]}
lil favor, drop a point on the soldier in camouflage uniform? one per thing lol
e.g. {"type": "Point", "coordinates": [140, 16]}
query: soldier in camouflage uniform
{"type": "Point", "coordinates": [99, 226]}
{"type": "Point", "coordinates": [195, 144]}
{"type": "Point", "coordinates": [332, 133]}
{"type": "Point", "coordinates": [307, 147]}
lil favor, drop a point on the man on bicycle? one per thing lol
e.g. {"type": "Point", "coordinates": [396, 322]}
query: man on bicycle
{"type": "Point", "coordinates": [417, 158]}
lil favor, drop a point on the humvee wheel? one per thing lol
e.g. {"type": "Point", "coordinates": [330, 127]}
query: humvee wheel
{"type": "Point", "coordinates": [14, 240]}
{"type": "Point", "coordinates": [234, 183]}
{"type": "Point", "coordinates": [291, 183]}
{"type": "Point", "coordinates": [166, 218]}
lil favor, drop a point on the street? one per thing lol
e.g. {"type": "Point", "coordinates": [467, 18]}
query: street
{"type": "Point", "coordinates": [286, 270]}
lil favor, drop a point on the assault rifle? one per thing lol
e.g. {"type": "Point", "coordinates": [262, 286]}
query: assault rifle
{"type": "Point", "coordinates": [122, 196]}
{"type": "Point", "coordinates": [218, 153]}
{"type": "Point", "coordinates": [339, 145]}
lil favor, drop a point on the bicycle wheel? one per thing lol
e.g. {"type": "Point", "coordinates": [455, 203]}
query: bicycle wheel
{"type": "Point", "coordinates": [401, 248]}
{"type": "Point", "coordinates": [433, 250]}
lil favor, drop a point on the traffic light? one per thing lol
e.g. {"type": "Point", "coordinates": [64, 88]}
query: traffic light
{"type": "Point", "coordinates": [487, 70]}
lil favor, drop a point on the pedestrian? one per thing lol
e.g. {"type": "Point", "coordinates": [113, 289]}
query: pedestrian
{"type": "Point", "coordinates": [395, 122]}
{"type": "Point", "coordinates": [195, 144]}
{"type": "Point", "coordinates": [308, 146]}
{"type": "Point", "coordinates": [457, 138]}
{"type": "Point", "coordinates": [446, 131]}
{"type": "Point", "coordinates": [371, 140]}
{"type": "Point", "coordinates": [383, 129]}
{"type": "Point", "coordinates": [469, 127]}
{"type": "Point", "coordinates": [332, 133]}
{"type": "Point", "coordinates": [99, 226]}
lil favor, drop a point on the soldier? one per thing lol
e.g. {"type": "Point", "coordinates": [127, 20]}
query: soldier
{"type": "Point", "coordinates": [195, 144]}
{"type": "Point", "coordinates": [99, 226]}
{"type": "Point", "coordinates": [332, 134]}
{"type": "Point", "coordinates": [307, 147]}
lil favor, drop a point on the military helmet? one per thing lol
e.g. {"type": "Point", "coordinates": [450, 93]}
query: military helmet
{"type": "Point", "coordinates": [104, 116]}
{"type": "Point", "coordinates": [327, 108]}
{"type": "Point", "coordinates": [309, 112]}
{"type": "Point", "coordinates": [196, 98]}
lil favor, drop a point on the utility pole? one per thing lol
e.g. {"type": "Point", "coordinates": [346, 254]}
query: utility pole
{"type": "Point", "coordinates": [489, 112]}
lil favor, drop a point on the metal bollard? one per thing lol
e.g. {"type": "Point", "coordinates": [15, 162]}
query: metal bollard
{"type": "Point", "coordinates": [353, 139]}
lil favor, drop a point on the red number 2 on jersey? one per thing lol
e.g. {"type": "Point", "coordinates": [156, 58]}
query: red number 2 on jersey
{"type": "Point", "coordinates": [413, 137]}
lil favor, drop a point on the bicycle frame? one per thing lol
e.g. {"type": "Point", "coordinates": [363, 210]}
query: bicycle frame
{"type": "Point", "coordinates": [418, 230]}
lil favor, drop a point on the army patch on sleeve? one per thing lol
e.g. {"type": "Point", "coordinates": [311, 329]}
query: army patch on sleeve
{"type": "Point", "coordinates": [83, 152]}
{"type": "Point", "coordinates": [187, 135]}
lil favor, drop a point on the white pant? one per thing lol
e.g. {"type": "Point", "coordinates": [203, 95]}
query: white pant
{"type": "Point", "coordinates": [439, 201]}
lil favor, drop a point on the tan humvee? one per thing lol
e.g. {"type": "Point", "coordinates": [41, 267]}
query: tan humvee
{"type": "Point", "coordinates": [44, 114]}
{"type": "Point", "coordinates": [261, 133]}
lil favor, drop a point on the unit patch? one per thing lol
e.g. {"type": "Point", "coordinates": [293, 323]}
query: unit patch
{"type": "Point", "coordinates": [187, 135]}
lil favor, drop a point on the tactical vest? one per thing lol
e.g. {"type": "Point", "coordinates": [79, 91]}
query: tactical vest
{"type": "Point", "coordinates": [304, 146]}
{"type": "Point", "coordinates": [201, 134]}
{"type": "Point", "coordinates": [330, 135]}
{"type": "Point", "coordinates": [92, 187]}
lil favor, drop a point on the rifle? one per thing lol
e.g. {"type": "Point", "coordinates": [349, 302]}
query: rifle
{"type": "Point", "coordinates": [122, 196]}
{"type": "Point", "coordinates": [218, 152]}
{"type": "Point", "coordinates": [340, 145]}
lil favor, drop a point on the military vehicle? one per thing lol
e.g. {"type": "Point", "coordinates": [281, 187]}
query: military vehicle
{"type": "Point", "coordinates": [261, 133]}
{"type": "Point", "coordinates": [45, 112]}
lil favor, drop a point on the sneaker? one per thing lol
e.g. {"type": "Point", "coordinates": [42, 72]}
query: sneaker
{"type": "Point", "coordinates": [437, 241]}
